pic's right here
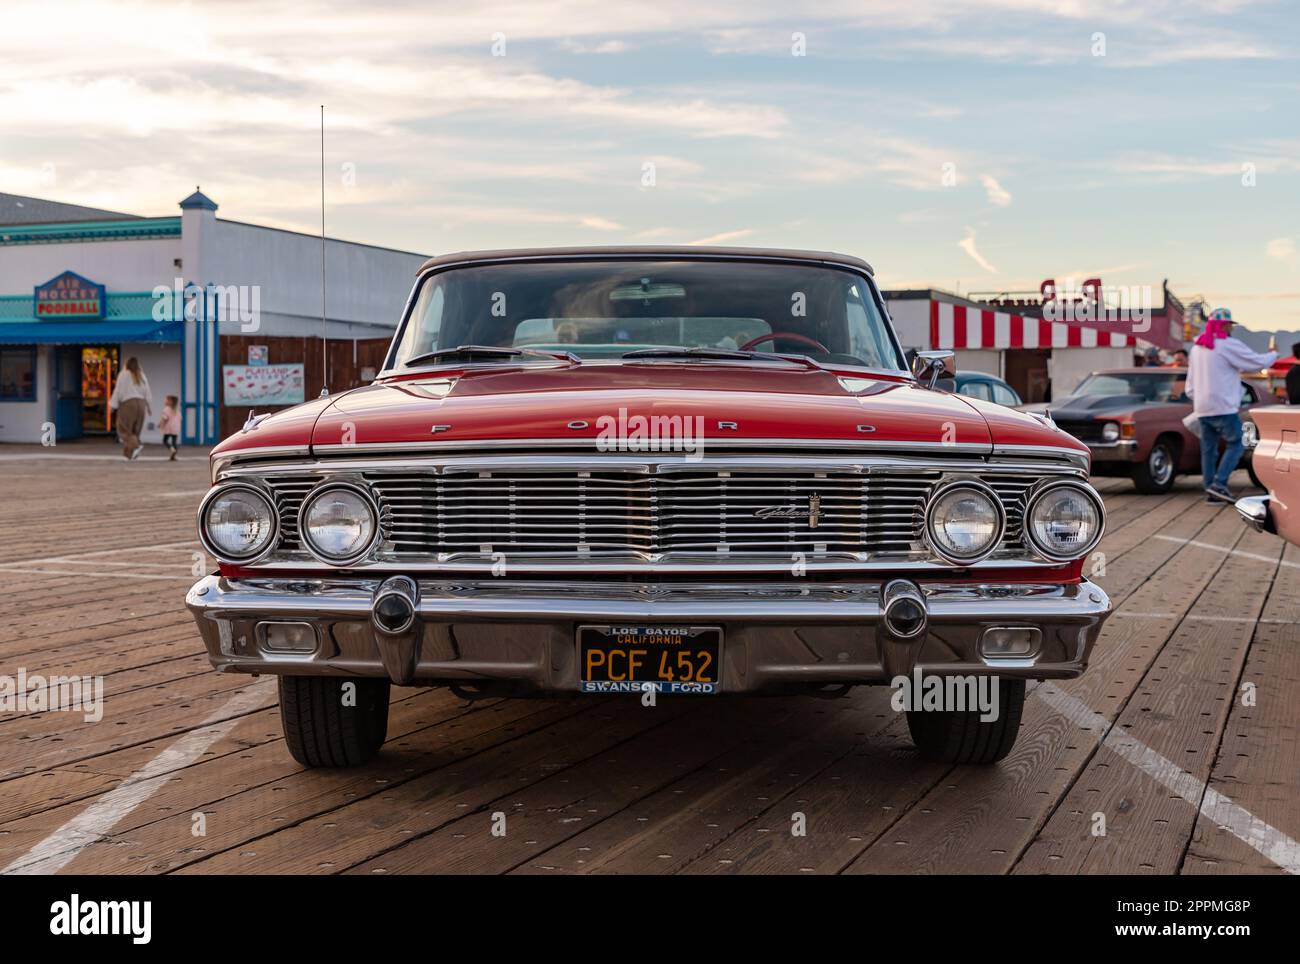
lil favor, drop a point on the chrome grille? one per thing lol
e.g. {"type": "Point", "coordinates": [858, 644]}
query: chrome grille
{"type": "Point", "coordinates": [447, 513]}
{"type": "Point", "coordinates": [290, 491]}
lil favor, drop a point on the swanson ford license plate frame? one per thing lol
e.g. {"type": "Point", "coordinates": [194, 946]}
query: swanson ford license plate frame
{"type": "Point", "coordinates": [631, 657]}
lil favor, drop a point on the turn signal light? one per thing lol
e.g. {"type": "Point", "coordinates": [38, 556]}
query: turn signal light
{"type": "Point", "coordinates": [287, 637]}
{"type": "Point", "coordinates": [1003, 641]}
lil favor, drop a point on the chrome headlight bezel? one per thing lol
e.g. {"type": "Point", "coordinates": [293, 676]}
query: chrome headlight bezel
{"type": "Point", "coordinates": [210, 546]}
{"type": "Point", "coordinates": [945, 489]}
{"type": "Point", "coordinates": [1036, 496]}
{"type": "Point", "coordinates": [304, 531]}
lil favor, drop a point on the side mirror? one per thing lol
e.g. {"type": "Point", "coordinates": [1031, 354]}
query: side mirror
{"type": "Point", "coordinates": [930, 366]}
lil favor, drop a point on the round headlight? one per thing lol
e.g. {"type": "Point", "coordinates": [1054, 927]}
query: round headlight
{"type": "Point", "coordinates": [1110, 432]}
{"type": "Point", "coordinates": [338, 523]}
{"type": "Point", "coordinates": [1064, 521]}
{"type": "Point", "coordinates": [237, 523]}
{"type": "Point", "coordinates": [965, 522]}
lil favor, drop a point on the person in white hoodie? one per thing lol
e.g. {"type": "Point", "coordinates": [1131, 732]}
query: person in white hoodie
{"type": "Point", "coordinates": [132, 401]}
{"type": "Point", "coordinates": [1214, 386]}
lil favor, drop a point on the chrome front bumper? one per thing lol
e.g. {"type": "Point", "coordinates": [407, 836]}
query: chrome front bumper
{"type": "Point", "coordinates": [774, 634]}
{"type": "Point", "coordinates": [1124, 450]}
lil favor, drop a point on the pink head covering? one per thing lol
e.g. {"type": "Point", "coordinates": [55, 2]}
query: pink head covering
{"type": "Point", "coordinates": [1216, 327]}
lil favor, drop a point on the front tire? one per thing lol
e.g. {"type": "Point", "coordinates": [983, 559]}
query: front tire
{"type": "Point", "coordinates": [1155, 475]}
{"type": "Point", "coordinates": [326, 724]}
{"type": "Point", "coordinates": [960, 736]}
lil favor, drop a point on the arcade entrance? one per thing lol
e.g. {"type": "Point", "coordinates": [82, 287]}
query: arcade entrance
{"type": "Point", "coordinates": [83, 383]}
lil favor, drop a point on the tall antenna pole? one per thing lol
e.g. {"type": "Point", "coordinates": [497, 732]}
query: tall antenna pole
{"type": "Point", "coordinates": [324, 330]}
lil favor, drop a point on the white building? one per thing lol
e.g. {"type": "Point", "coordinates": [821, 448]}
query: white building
{"type": "Point", "coordinates": [82, 290]}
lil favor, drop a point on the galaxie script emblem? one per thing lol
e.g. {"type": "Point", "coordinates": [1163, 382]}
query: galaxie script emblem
{"type": "Point", "coordinates": [812, 512]}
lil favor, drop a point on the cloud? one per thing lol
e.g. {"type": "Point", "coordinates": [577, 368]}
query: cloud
{"type": "Point", "coordinates": [594, 47]}
{"type": "Point", "coordinates": [725, 237]}
{"type": "Point", "coordinates": [1265, 157]}
{"type": "Point", "coordinates": [878, 155]}
{"type": "Point", "coordinates": [658, 234]}
{"type": "Point", "coordinates": [995, 192]}
{"type": "Point", "coordinates": [967, 244]}
{"type": "Point", "coordinates": [918, 216]}
{"type": "Point", "coordinates": [1283, 249]}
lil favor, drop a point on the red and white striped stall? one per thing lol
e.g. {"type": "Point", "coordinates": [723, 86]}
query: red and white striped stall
{"type": "Point", "coordinates": [969, 327]}
{"type": "Point", "coordinates": [1036, 356]}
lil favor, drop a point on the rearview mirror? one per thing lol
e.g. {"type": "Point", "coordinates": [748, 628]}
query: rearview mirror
{"type": "Point", "coordinates": [930, 366]}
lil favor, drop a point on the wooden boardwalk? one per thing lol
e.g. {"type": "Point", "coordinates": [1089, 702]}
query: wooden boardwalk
{"type": "Point", "coordinates": [1184, 735]}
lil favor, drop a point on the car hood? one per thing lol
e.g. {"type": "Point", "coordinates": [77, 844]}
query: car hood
{"type": "Point", "coordinates": [725, 403]}
{"type": "Point", "coordinates": [1096, 406]}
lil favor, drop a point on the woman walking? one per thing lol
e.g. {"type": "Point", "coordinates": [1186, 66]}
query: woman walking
{"type": "Point", "coordinates": [132, 401]}
{"type": "Point", "coordinates": [1214, 385]}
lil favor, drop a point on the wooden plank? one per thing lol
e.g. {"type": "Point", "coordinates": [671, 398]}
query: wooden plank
{"type": "Point", "coordinates": [388, 806]}
{"type": "Point", "coordinates": [982, 818]}
{"type": "Point", "coordinates": [1258, 760]}
{"type": "Point", "coordinates": [550, 811]}
{"type": "Point", "coordinates": [54, 795]}
{"type": "Point", "coordinates": [682, 822]}
{"type": "Point", "coordinates": [273, 791]}
{"type": "Point", "coordinates": [1179, 711]}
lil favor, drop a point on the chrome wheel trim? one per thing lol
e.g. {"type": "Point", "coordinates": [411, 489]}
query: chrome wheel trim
{"type": "Point", "coordinates": [1160, 463]}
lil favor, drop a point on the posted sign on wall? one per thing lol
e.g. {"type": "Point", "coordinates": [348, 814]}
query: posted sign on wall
{"type": "Point", "coordinates": [262, 384]}
{"type": "Point", "coordinates": [69, 296]}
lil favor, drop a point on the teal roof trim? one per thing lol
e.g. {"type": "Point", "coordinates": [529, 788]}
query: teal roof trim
{"type": "Point", "coordinates": [91, 332]}
{"type": "Point", "coordinates": [133, 229]}
{"type": "Point", "coordinates": [122, 306]}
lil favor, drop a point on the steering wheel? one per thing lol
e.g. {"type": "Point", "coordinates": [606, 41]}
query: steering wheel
{"type": "Point", "coordinates": [773, 335]}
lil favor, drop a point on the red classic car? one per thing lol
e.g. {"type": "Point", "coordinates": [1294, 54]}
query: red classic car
{"type": "Point", "coordinates": [1131, 419]}
{"type": "Point", "coordinates": [648, 470]}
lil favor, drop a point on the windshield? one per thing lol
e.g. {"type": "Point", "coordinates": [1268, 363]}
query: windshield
{"type": "Point", "coordinates": [1153, 387]}
{"type": "Point", "coordinates": [606, 309]}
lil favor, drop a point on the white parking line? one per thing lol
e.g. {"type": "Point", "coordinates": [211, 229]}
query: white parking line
{"type": "Point", "coordinates": [74, 457]}
{"type": "Point", "coordinates": [1241, 823]}
{"type": "Point", "coordinates": [1211, 619]}
{"type": "Point", "coordinates": [69, 561]}
{"type": "Point", "coordinates": [1271, 560]}
{"type": "Point", "coordinates": [162, 546]}
{"type": "Point", "coordinates": [61, 847]}
{"type": "Point", "coordinates": [87, 573]}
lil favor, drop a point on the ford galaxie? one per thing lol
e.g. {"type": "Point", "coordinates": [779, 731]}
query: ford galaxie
{"type": "Point", "coordinates": [680, 471]}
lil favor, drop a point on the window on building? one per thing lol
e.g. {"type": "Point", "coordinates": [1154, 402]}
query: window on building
{"type": "Point", "coordinates": [17, 374]}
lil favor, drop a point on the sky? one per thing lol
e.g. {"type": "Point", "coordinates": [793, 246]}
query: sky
{"type": "Point", "coordinates": [970, 146]}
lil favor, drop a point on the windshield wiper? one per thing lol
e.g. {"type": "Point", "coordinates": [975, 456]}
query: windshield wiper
{"type": "Point", "coordinates": [720, 354]}
{"type": "Point", "coordinates": [485, 352]}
